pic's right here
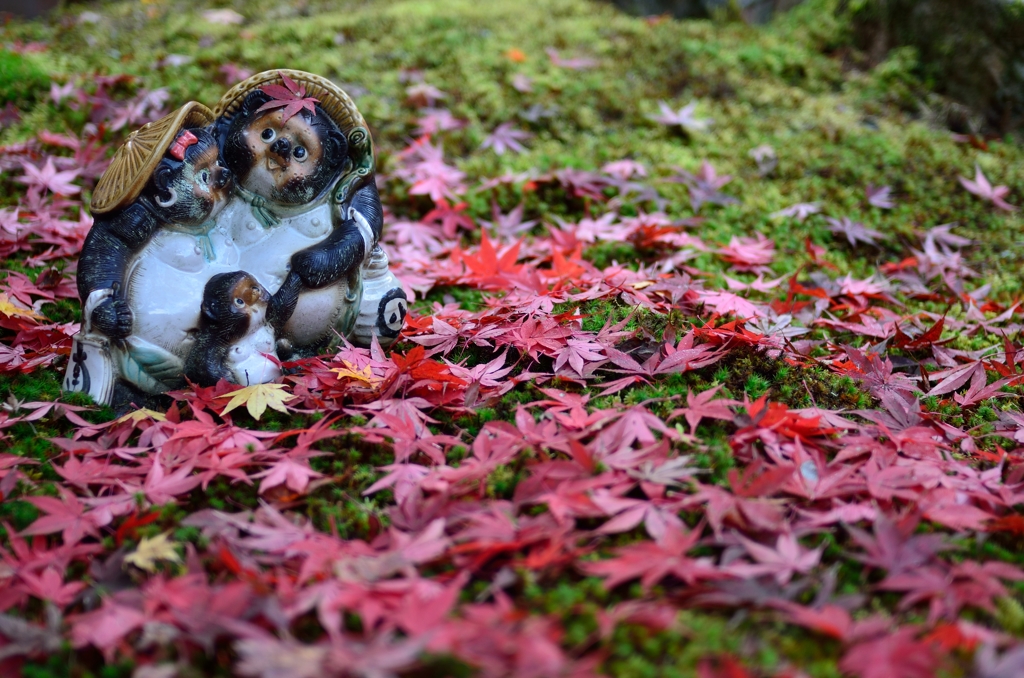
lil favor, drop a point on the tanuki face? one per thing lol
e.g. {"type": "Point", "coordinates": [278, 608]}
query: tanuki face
{"type": "Point", "coordinates": [209, 180]}
{"type": "Point", "coordinates": [285, 158]}
{"type": "Point", "coordinates": [248, 296]}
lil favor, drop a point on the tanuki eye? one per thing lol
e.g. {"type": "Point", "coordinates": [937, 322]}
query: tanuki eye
{"type": "Point", "coordinates": [239, 302]}
{"type": "Point", "coordinates": [268, 135]}
{"type": "Point", "coordinates": [204, 176]}
{"type": "Point", "coordinates": [299, 152]}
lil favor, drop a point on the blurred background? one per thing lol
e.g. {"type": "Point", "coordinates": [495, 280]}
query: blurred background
{"type": "Point", "coordinates": [970, 52]}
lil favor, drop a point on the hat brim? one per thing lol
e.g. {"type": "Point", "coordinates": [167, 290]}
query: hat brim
{"type": "Point", "coordinates": [333, 100]}
{"type": "Point", "coordinates": [133, 163]}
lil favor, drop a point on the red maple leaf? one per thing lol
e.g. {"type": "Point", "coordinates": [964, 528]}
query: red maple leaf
{"type": "Point", "coordinates": [450, 217]}
{"type": "Point", "coordinates": [653, 561]}
{"type": "Point", "coordinates": [831, 620]}
{"type": "Point", "coordinates": [488, 267]}
{"type": "Point", "coordinates": [292, 98]}
{"type": "Point", "coordinates": [898, 654]}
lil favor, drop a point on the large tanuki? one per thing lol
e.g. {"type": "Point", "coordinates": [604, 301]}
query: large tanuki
{"type": "Point", "coordinates": [308, 216]}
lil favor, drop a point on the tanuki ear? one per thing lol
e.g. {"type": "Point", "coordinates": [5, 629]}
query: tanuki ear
{"type": "Point", "coordinates": [251, 103]}
{"type": "Point", "coordinates": [163, 178]}
{"type": "Point", "coordinates": [207, 313]}
{"type": "Point", "coordinates": [336, 147]}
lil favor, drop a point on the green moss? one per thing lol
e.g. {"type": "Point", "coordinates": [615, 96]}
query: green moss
{"type": "Point", "coordinates": [22, 79]}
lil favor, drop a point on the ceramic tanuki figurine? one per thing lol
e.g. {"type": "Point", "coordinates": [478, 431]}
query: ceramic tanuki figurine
{"type": "Point", "coordinates": [188, 273]}
{"type": "Point", "coordinates": [151, 249]}
{"type": "Point", "coordinates": [307, 217]}
{"type": "Point", "coordinates": [234, 339]}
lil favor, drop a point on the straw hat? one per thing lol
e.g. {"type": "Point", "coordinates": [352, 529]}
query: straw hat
{"type": "Point", "coordinates": [134, 162]}
{"type": "Point", "coordinates": [334, 102]}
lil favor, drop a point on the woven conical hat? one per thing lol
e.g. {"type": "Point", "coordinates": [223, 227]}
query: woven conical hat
{"type": "Point", "coordinates": [333, 100]}
{"type": "Point", "coordinates": [134, 162]}
{"type": "Point", "coordinates": [338, 107]}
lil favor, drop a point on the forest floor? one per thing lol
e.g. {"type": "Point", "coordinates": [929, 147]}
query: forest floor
{"type": "Point", "coordinates": [712, 367]}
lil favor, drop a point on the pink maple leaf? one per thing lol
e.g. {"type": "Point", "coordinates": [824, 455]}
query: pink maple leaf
{"type": "Point", "coordinates": [67, 517]}
{"type": "Point", "coordinates": [60, 92]}
{"type": "Point", "coordinates": [273, 658]}
{"type": "Point", "coordinates": [233, 73]}
{"type": "Point", "coordinates": [424, 167]}
{"type": "Point", "coordinates": [47, 177]}
{"type": "Point", "coordinates": [450, 217]}
{"type": "Point", "coordinates": [868, 288]}
{"type": "Point", "coordinates": [575, 64]}
{"type": "Point", "coordinates": [404, 478]}
{"type": "Point", "coordinates": [436, 120]}
{"type": "Point", "coordinates": [509, 225]}
{"type": "Point", "coordinates": [894, 547]}
{"type": "Point", "coordinates": [782, 562]}
{"type": "Point", "coordinates": [727, 303]}
{"type": "Point", "coordinates": [423, 94]}
{"type": "Point", "coordinates": [577, 352]}
{"type": "Point", "coordinates": [162, 488]}
{"type": "Point", "coordinates": [442, 340]}
{"type": "Point", "coordinates": [289, 472]}
{"type": "Point", "coordinates": [984, 190]}
{"type": "Point", "coordinates": [759, 285]}
{"type": "Point", "coordinates": [854, 231]}
{"type": "Point", "coordinates": [627, 513]}
{"type": "Point", "coordinates": [749, 254]}
{"type": "Point", "coordinates": [799, 211]}
{"type": "Point", "coordinates": [49, 585]}
{"type": "Point", "coordinates": [880, 196]}
{"type": "Point", "coordinates": [686, 356]}
{"type": "Point", "coordinates": [684, 117]}
{"type": "Point", "coordinates": [980, 392]}
{"type": "Point", "coordinates": [487, 374]}
{"type": "Point", "coordinates": [506, 138]}
{"type": "Point", "coordinates": [704, 184]}
{"type": "Point", "coordinates": [624, 169]}
{"type": "Point", "coordinates": [522, 83]}
{"type": "Point", "coordinates": [104, 628]}
{"type": "Point", "coordinates": [702, 406]}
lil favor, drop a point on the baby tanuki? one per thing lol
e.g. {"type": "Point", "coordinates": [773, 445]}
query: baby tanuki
{"type": "Point", "coordinates": [234, 339]}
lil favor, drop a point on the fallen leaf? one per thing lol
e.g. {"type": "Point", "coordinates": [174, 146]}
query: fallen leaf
{"type": "Point", "coordinates": [151, 550]}
{"type": "Point", "coordinates": [257, 398]}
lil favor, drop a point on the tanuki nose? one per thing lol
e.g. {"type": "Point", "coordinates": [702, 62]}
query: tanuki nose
{"type": "Point", "coordinates": [221, 177]}
{"type": "Point", "coordinates": [256, 294]}
{"type": "Point", "coordinates": [282, 147]}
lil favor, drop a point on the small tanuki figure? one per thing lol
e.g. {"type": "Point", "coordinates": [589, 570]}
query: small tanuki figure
{"type": "Point", "coordinates": [307, 216]}
{"type": "Point", "coordinates": [145, 262]}
{"type": "Point", "coordinates": [234, 338]}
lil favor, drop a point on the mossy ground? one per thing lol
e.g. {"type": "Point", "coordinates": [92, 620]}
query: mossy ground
{"type": "Point", "coordinates": [795, 85]}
